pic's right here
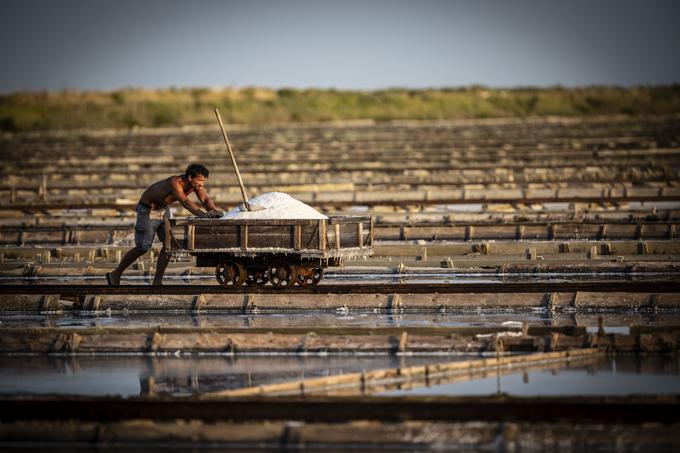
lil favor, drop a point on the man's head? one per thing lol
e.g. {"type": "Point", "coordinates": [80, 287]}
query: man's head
{"type": "Point", "coordinates": [196, 174]}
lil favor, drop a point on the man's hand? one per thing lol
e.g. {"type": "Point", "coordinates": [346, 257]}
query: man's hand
{"type": "Point", "coordinates": [215, 213]}
{"type": "Point", "coordinates": [212, 214]}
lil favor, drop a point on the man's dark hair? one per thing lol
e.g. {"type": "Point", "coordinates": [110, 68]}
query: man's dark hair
{"type": "Point", "coordinates": [194, 170]}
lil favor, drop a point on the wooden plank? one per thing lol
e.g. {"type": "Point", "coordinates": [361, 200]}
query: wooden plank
{"type": "Point", "coordinates": [337, 236]}
{"type": "Point", "coordinates": [167, 235]}
{"type": "Point", "coordinates": [297, 232]}
{"type": "Point", "coordinates": [186, 237]}
{"type": "Point", "coordinates": [191, 237]}
{"type": "Point", "coordinates": [322, 235]}
{"type": "Point", "coordinates": [310, 236]}
{"type": "Point", "coordinates": [348, 235]}
{"type": "Point", "coordinates": [217, 241]}
{"type": "Point", "coordinates": [270, 240]}
{"type": "Point", "coordinates": [244, 237]}
{"type": "Point", "coordinates": [347, 219]}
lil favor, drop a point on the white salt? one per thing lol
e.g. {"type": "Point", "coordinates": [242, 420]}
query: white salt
{"type": "Point", "coordinates": [277, 205]}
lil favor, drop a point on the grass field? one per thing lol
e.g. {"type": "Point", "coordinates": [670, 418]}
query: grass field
{"type": "Point", "coordinates": [129, 108]}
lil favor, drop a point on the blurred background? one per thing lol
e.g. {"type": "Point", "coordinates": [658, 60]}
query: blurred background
{"type": "Point", "coordinates": [157, 63]}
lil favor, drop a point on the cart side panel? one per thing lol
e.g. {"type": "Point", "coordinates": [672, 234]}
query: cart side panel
{"type": "Point", "coordinates": [345, 236]}
{"type": "Point", "coordinates": [178, 237]}
{"type": "Point", "coordinates": [310, 236]}
{"type": "Point", "coordinates": [349, 234]}
{"type": "Point", "coordinates": [217, 236]}
{"type": "Point", "coordinates": [279, 236]}
{"type": "Point", "coordinates": [258, 236]}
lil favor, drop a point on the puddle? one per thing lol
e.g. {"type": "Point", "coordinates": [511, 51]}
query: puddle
{"type": "Point", "coordinates": [604, 376]}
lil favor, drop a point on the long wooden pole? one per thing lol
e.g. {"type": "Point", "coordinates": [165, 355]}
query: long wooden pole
{"type": "Point", "coordinates": [233, 161]}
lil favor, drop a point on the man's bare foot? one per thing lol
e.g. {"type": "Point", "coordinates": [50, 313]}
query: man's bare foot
{"type": "Point", "coordinates": [113, 278]}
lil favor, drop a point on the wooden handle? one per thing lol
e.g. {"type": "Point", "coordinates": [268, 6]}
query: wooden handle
{"type": "Point", "coordinates": [233, 161]}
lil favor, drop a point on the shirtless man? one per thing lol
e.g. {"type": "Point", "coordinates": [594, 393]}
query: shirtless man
{"type": "Point", "coordinates": [152, 210]}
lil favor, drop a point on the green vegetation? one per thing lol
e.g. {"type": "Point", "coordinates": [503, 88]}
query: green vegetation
{"type": "Point", "coordinates": [175, 107]}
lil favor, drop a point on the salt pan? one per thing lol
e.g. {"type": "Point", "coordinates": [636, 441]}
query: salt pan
{"type": "Point", "coordinates": [278, 205]}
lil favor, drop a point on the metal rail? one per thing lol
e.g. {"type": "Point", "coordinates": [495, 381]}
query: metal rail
{"type": "Point", "coordinates": [603, 286]}
{"type": "Point", "coordinates": [329, 409]}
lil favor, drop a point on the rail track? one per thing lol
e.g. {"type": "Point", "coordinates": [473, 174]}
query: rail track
{"type": "Point", "coordinates": [659, 286]}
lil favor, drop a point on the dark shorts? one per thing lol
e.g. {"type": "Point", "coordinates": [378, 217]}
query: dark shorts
{"type": "Point", "coordinates": [149, 224]}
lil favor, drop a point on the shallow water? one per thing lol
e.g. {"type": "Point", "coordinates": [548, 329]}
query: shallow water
{"type": "Point", "coordinates": [186, 375]}
{"type": "Point", "coordinates": [189, 375]}
{"type": "Point", "coordinates": [412, 276]}
{"type": "Point", "coordinates": [626, 375]}
{"type": "Point", "coordinates": [613, 322]}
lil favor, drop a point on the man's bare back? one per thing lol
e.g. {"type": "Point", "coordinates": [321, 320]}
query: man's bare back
{"type": "Point", "coordinates": [160, 193]}
{"type": "Point", "coordinates": [176, 188]}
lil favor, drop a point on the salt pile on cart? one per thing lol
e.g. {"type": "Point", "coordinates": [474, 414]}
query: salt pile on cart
{"type": "Point", "coordinates": [285, 243]}
{"type": "Point", "coordinates": [276, 205]}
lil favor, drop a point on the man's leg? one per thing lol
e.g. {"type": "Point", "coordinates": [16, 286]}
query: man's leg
{"type": "Point", "coordinates": [129, 258]}
{"type": "Point", "coordinates": [144, 233]}
{"type": "Point", "coordinates": [163, 257]}
{"type": "Point", "coordinates": [161, 264]}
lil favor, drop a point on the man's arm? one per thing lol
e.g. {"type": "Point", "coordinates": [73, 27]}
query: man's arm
{"type": "Point", "coordinates": [207, 203]}
{"type": "Point", "coordinates": [178, 193]}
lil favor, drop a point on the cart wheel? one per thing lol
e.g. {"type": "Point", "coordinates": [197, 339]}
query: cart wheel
{"type": "Point", "coordinates": [309, 276]}
{"type": "Point", "coordinates": [257, 277]}
{"type": "Point", "coordinates": [282, 274]}
{"type": "Point", "coordinates": [230, 273]}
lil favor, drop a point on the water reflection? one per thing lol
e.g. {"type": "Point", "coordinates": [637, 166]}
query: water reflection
{"type": "Point", "coordinates": [411, 275]}
{"type": "Point", "coordinates": [343, 318]}
{"type": "Point", "coordinates": [626, 375]}
{"type": "Point", "coordinates": [190, 375]}
{"type": "Point", "coordinates": [186, 375]}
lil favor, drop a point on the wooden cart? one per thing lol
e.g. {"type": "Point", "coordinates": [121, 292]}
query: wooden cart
{"type": "Point", "coordinates": [282, 252]}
